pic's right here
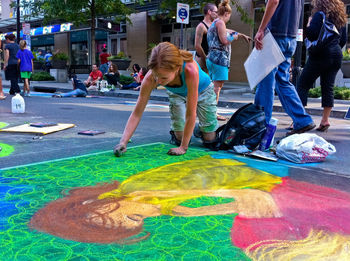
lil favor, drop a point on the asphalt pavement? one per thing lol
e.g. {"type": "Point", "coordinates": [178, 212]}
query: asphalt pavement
{"type": "Point", "coordinates": [109, 112]}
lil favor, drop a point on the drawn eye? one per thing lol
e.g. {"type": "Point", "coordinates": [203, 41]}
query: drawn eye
{"type": "Point", "coordinates": [135, 217]}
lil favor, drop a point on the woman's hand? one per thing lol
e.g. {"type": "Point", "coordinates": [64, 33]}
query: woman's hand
{"type": "Point", "coordinates": [119, 149]}
{"type": "Point", "coordinates": [177, 151]}
{"type": "Point", "coordinates": [245, 37]}
{"type": "Point", "coordinates": [258, 39]}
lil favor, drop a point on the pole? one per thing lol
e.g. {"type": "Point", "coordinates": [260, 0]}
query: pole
{"type": "Point", "coordinates": [298, 53]}
{"type": "Point", "coordinates": [18, 20]}
{"type": "Point", "coordinates": [182, 36]}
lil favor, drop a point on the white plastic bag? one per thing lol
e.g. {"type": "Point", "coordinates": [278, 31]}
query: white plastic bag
{"type": "Point", "coordinates": [303, 148]}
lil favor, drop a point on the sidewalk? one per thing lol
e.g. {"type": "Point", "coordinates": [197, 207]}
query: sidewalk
{"type": "Point", "coordinates": [232, 96]}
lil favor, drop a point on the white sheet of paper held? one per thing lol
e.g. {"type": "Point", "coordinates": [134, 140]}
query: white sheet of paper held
{"type": "Point", "coordinates": [261, 62]}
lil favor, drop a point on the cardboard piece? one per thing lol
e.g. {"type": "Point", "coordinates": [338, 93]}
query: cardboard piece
{"type": "Point", "coordinates": [42, 124]}
{"type": "Point", "coordinates": [261, 62]}
{"type": "Point", "coordinates": [91, 132]}
{"type": "Point", "coordinates": [26, 128]}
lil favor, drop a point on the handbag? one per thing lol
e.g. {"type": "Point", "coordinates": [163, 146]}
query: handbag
{"type": "Point", "coordinates": [328, 33]}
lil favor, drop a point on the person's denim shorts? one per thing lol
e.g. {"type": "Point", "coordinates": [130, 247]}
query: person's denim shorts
{"type": "Point", "coordinates": [217, 72]}
{"type": "Point", "coordinates": [206, 110]}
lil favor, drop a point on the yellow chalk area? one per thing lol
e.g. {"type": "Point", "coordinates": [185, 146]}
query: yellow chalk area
{"type": "Point", "coordinates": [204, 173]}
{"type": "Point", "coordinates": [318, 246]}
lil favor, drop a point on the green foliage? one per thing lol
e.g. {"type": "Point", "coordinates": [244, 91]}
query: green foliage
{"type": "Point", "coordinates": [315, 92]}
{"type": "Point", "coordinates": [77, 11]}
{"type": "Point", "coordinates": [42, 76]}
{"type": "Point", "coordinates": [346, 55]}
{"type": "Point", "coordinates": [60, 57]}
{"type": "Point", "coordinates": [124, 80]}
{"type": "Point", "coordinates": [120, 55]}
{"type": "Point", "coordinates": [340, 93]}
{"type": "Point", "coordinates": [243, 13]}
{"type": "Point", "coordinates": [36, 58]}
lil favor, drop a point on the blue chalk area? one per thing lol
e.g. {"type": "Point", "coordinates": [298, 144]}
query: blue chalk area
{"type": "Point", "coordinates": [32, 93]}
{"type": "Point", "coordinates": [274, 168]}
{"type": "Point", "coordinates": [10, 207]}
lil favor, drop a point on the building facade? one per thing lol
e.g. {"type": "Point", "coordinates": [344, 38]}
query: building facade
{"type": "Point", "coordinates": [135, 39]}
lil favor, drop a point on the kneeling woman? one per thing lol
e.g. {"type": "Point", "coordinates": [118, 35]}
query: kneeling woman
{"type": "Point", "coordinates": [190, 92]}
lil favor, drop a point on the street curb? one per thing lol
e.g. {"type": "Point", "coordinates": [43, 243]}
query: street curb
{"type": "Point", "coordinates": [223, 104]}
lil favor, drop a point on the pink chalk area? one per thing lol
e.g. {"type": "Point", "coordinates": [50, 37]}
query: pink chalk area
{"type": "Point", "coordinates": [304, 207]}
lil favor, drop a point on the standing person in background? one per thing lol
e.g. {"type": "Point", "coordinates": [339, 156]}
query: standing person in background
{"type": "Point", "coordinates": [219, 41]}
{"type": "Point", "coordinates": [26, 65]}
{"type": "Point", "coordinates": [48, 60]}
{"type": "Point", "coordinates": [282, 18]}
{"type": "Point", "coordinates": [10, 67]}
{"type": "Point", "coordinates": [327, 62]}
{"type": "Point", "coordinates": [210, 12]}
{"type": "Point", "coordinates": [2, 95]}
{"type": "Point", "coordinates": [104, 61]}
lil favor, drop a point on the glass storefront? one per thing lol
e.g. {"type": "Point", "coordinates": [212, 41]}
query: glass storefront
{"type": "Point", "coordinates": [79, 48]}
{"type": "Point", "coordinates": [42, 43]}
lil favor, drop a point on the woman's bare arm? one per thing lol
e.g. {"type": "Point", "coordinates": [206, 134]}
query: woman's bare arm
{"type": "Point", "coordinates": [148, 84]}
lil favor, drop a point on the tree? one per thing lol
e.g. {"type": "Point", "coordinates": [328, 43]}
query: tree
{"type": "Point", "coordinates": [80, 12]}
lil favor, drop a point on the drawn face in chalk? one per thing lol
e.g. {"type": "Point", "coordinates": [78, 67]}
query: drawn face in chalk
{"type": "Point", "coordinates": [128, 214]}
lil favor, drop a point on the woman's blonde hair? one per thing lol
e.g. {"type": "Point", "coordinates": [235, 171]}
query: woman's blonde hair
{"type": "Point", "coordinates": [334, 10]}
{"type": "Point", "coordinates": [22, 44]}
{"type": "Point", "coordinates": [224, 7]}
{"type": "Point", "coordinates": [167, 56]}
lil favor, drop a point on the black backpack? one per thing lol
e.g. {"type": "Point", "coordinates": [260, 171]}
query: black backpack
{"type": "Point", "coordinates": [247, 127]}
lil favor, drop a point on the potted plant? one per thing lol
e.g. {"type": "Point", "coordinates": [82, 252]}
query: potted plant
{"type": "Point", "coordinates": [345, 66]}
{"type": "Point", "coordinates": [38, 61]}
{"type": "Point", "coordinates": [121, 60]}
{"type": "Point", "coordinates": [59, 60]}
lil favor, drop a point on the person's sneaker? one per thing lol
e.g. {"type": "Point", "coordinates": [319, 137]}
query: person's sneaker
{"type": "Point", "coordinates": [119, 85]}
{"type": "Point", "coordinates": [56, 96]}
{"type": "Point", "coordinates": [173, 139]}
{"type": "Point", "coordinates": [301, 130]}
{"type": "Point", "coordinates": [197, 132]}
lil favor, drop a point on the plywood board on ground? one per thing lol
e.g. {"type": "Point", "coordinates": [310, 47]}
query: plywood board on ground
{"type": "Point", "coordinates": [26, 128]}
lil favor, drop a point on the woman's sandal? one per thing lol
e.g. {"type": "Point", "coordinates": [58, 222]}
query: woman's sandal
{"type": "Point", "coordinates": [290, 127]}
{"type": "Point", "coordinates": [323, 128]}
{"type": "Point", "coordinates": [221, 118]}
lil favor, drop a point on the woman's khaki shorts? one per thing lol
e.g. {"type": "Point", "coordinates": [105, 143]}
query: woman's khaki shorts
{"type": "Point", "coordinates": [206, 110]}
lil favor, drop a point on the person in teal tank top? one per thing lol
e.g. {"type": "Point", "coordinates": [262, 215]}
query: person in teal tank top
{"type": "Point", "coordinates": [190, 91]}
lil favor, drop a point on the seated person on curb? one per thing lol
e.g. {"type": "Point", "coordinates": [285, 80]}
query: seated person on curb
{"type": "Point", "coordinates": [135, 70]}
{"type": "Point", "coordinates": [94, 77]}
{"type": "Point", "coordinates": [138, 80]}
{"type": "Point", "coordinates": [190, 91]}
{"type": "Point", "coordinates": [113, 75]}
{"type": "Point", "coordinates": [79, 89]}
